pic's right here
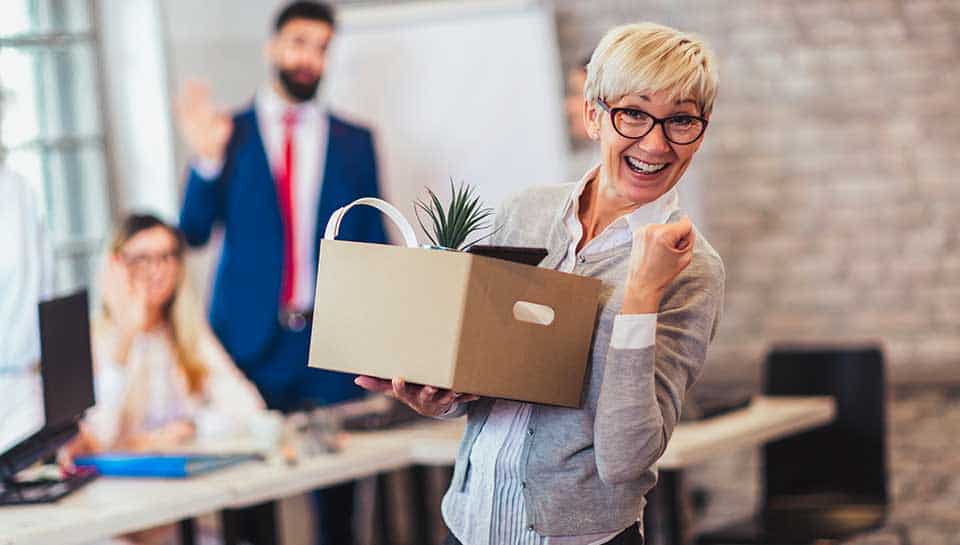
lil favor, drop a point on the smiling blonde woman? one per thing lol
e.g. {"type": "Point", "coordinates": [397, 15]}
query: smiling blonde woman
{"type": "Point", "coordinates": [531, 474]}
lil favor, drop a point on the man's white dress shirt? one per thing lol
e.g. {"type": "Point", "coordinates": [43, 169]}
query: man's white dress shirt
{"type": "Point", "coordinates": [309, 159]}
{"type": "Point", "coordinates": [26, 278]}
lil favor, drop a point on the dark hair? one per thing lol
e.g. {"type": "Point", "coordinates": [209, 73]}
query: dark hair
{"type": "Point", "coordinates": [132, 224]}
{"type": "Point", "coordinates": [304, 9]}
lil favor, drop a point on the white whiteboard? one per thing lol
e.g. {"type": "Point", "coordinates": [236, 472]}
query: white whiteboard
{"type": "Point", "coordinates": [468, 90]}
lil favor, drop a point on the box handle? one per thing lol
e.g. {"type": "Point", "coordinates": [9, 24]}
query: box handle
{"type": "Point", "coordinates": [409, 236]}
{"type": "Point", "coordinates": [533, 313]}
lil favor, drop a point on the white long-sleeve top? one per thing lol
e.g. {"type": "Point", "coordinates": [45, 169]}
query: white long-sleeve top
{"type": "Point", "coordinates": [150, 390]}
{"type": "Point", "coordinates": [26, 278]}
{"type": "Point", "coordinates": [26, 271]}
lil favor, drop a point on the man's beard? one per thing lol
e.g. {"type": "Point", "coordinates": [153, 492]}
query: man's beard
{"type": "Point", "coordinates": [301, 92]}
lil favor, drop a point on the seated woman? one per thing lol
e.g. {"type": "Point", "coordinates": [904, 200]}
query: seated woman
{"type": "Point", "coordinates": [530, 474]}
{"type": "Point", "coordinates": [159, 370]}
{"type": "Point", "coordinates": [160, 374]}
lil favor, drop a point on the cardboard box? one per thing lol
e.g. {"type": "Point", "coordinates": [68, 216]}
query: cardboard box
{"type": "Point", "coordinates": [453, 320]}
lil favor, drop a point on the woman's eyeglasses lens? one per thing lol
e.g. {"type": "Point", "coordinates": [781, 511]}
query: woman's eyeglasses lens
{"type": "Point", "coordinates": [142, 262]}
{"type": "Point", "coordinates": [679, 129]}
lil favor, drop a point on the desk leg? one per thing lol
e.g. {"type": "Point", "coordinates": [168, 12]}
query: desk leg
{"type": "Point", "coordinates": [257, 524]}
{"type": "Point", "coordinates": [421, 508]}
{"type": "Point", "coordinates": [676, 513]}
{"type": "Point", "coordinates": [382, 510]}
{"type": "Point", "coordinates": [188, 532]}
{"type": "Point", "coordinates": [422, 490]}
{"type": "Point", "coordinates": [666, 518]}
{"type": "Point", "coordinates": [429, 483]}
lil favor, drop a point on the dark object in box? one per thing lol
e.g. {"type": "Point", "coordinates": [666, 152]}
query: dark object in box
{"type": "Point", "coordinates": [516, 254]}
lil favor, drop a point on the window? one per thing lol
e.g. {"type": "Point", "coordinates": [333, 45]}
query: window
{"type": "Point", "coordinates": [52, 124]}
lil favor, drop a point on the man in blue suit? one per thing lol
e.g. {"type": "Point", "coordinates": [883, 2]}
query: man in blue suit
{"type": "Point", "coordinates": [271, 175]}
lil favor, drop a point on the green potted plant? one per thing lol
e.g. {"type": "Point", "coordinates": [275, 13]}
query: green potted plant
{"type": "Point", "coordinates": [450, 228]}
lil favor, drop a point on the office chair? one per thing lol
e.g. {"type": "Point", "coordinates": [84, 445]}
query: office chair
{"type": "Point", "coordinates": [828, 484]}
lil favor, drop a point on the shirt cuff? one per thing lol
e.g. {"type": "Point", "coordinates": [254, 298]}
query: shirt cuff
{"type": "Point", "coordinates": [452, 409]}
{"type": "Point", "coordinates": [633, 331]}
{"type": "Point", "coordinates": [206, 169]}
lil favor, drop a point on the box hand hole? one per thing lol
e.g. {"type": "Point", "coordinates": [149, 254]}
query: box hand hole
{"type": "Point", "coordinates": [533, 313]}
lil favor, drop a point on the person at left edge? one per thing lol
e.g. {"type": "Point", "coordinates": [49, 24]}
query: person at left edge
{"type": "Point", "coordinates": [271, 175]}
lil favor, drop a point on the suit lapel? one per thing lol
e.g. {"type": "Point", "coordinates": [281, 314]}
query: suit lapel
{"type": "Point", "coordinates": [261, 162]}
{"type": "Point", "coordinates": [332, 187]}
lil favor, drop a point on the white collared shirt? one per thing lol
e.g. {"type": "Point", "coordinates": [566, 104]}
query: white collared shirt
{"type": "Point", "coordinates": [26, 278]}
{"type": "Point", "coordinates": [494, 514]}
{"type": "Point", "coordinates": [309, 155]}
{"type": "Point", "coordinates": [26, 271]}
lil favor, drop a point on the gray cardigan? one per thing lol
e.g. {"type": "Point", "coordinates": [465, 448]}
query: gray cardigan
{"type": "Point", "coordinates": [587, 470]}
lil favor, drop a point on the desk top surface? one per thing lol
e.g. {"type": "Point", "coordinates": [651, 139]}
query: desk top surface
{"type": "Point", "coordinates": [764, 420]}
{"type": "Point", "coordinates": [111, 506]}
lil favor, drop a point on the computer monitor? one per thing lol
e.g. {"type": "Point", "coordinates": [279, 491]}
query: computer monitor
{"type": "Point", "coordinates": [64, 390]}
{"type": "Point", "coordinates": [66, 359]}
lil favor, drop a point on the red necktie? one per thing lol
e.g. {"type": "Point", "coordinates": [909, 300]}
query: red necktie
{"type": "Point", "coordinates": [285, 193]}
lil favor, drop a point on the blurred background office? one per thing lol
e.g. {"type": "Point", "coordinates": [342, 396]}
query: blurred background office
{"type": "Point", "coordinates": [831, 168]}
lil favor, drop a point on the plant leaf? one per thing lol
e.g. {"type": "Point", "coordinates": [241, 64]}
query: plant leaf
{"type": "Point", "coordinates": [481, 238]}
{"type": "Point", "coordinates": [456, 216]}
{"type": "Point", "coordinates": [442, 218]}
{"type": "Point", "coordinates": [416, 210]}
{"type": "Point", "coordinates": [452, 225]}
{"type": "Point", "coordinates": [468, 210]}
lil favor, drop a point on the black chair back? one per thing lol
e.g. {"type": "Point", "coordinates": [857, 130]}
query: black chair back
{"type": "Point", "coordinates": [845, 461]}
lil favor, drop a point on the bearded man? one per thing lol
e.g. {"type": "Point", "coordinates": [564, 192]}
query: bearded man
{"type": "Point", "coordinates": [271, 175]}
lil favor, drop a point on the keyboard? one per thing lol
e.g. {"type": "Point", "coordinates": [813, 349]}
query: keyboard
{"type": "Point", "coordinates": [44, 490]}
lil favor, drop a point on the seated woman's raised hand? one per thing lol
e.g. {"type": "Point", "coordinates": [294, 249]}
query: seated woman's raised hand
{"type": "Point", "coordinates": [124, 297]}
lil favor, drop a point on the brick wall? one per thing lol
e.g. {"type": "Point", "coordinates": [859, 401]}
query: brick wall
{"type": "Point", "coordinates": [829, 180]}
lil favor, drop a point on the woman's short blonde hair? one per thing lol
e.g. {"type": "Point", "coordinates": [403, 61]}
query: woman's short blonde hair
{"type": "Point", "coordinates": [647, 58]}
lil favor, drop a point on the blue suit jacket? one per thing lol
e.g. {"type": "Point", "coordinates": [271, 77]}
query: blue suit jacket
{"type": "Point", "coordinates": [246, 292]}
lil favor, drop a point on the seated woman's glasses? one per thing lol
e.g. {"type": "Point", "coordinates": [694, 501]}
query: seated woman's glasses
{"type": "Point", "coordinates": [143, 261]}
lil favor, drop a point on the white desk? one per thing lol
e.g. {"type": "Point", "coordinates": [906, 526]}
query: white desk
{"type": "Point", "coordinates": [765, 419]}
{"type": "Point", "coordinates": [109, 507]}
{"type": "Point", "coordinates": [432, 445]}
{"type": "Point", "coordinates": [251, 484]}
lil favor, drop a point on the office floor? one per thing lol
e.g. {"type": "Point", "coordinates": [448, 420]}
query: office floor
{"type": "Point", "coordinates": [923, 427]}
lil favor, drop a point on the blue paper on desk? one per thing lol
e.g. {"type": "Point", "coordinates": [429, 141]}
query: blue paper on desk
{"type": "Point", "coordinates": [175, 466]}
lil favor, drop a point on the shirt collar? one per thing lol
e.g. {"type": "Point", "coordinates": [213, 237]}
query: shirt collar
{"type": "Point", "coordinates": [658, 211]}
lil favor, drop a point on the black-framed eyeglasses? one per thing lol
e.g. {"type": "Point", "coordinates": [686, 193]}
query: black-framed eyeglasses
{"type": "Point", "coordinates": [143, 261]}
{"type": "Point", "coordinates": [634, 123]}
